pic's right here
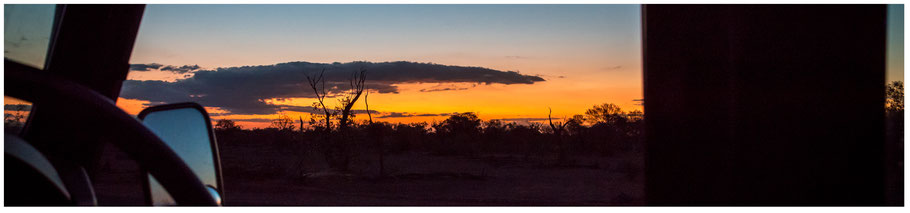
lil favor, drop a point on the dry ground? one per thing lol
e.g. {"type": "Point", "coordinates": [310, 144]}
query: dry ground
{"type": "Point", "coordinates": [265, 176]}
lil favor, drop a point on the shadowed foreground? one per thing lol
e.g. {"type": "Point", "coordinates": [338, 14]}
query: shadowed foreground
{"type": "Point", "coordinates": [422, 179]}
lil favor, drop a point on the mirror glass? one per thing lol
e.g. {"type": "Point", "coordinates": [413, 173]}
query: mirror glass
{"type": "Point", "coordinates": [186, 132]}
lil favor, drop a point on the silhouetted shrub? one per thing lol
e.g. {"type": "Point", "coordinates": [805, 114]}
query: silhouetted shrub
{"type": "Point", "coordinates": [603, 131]}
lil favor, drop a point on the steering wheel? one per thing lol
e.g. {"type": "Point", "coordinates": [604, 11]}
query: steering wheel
{"type": "Point", "coordinates": [132, 137]}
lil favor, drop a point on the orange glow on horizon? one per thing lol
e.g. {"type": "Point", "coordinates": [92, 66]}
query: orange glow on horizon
{"type": "Point", "coordinates": [131, 106]}
{"type": "Point", "coordinates": [495, 101]}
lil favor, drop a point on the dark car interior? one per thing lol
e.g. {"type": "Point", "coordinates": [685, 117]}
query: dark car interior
{"type": "Point", "coordinates": [86, 63]}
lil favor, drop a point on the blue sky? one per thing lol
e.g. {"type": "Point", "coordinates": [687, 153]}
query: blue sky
{"type": "Point", "coordinates": [232, 35]}
{"type": "Point", "coordinates": [895, 42]}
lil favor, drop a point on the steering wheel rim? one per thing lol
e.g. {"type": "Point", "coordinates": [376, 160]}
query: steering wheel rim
{"type": "Point", "coordinates": [43, 88]}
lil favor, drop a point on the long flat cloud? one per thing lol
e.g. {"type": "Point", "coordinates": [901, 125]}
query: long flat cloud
{"type": "Point", "coordinates": [241, 90]}
{"type": "Point", "coordinates": [181, 69]}
{"type": "Point", "coordinates": [405, 115]}
{"type": "Point", "coordinates": [17, 107]}
{"type": "Point", "coordinates": [170, 68]}
{"type": "Point", "coordinates": [144, 67]}
{"type": "Point", "coordinates": [523, 120]}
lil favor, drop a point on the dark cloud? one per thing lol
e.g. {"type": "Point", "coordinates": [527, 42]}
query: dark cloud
{"type": "Point", "coordinates": [17, 107]}
{"type": "Point", "coordinates": [552, 76]}
{"type": "Point", "coordinates": [241, 90]}
{"type": "Point", "coordinates": [144, 67]}
{"type": "Point", "coordinates": [440, 114]}
{"type": "Point", "coordinates": [171, 68]}
{"type": "Point", "coordinates": [254, 119]}
{"type": "Point", "coordinates": [443, 89]}
{"type": "Point", "coordinates": [641, 101]}
{"type": "Point", "coordinates": [405, 115]}
{"type": "Point", "coordinates": [296, 108]}
{"type": "Point", "coordinates": [522, 120]}
{"type": "Point", "coordinates": [395, 115]}
{"type": "Point", "coordinates": [181, 69]}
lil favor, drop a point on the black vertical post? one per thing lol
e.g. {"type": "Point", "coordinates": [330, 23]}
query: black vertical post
{"type": "Point", "coordinates": [90, 45]}
{"type": "Point", "coordinates": [764, 104]}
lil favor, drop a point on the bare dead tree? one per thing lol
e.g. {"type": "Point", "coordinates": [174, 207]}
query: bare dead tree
{"type": "Point", "coordinates": [357, 85]}
{"type": "Point", "coordinates": [558, 130]}
{"type": "Point", "coordinates": [301, 123]}
{"type": "Point", "coordinates": [318, 86]}
{"type": "Point", "coordinates": [558, 127]}
{"type": "Point", "coordinates": [338, 150]}
{"type": "Point", "coordinates": [377, 134]}
{"type": "Point", "coordinates": [365, 97]}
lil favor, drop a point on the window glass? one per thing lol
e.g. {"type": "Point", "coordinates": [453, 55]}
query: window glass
{"type": "Point", "coordinates": [894, 105]}
{"type": "Point", "coordinates": [26, 34]}
{"type": "Point", "coordinates": [454, 98]}
{"type": "Point", "coordinates": [895, 43]}
{"type": "Point", "coordinates": [15, 112]}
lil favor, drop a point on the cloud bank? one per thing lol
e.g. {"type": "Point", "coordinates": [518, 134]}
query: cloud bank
{"type": "Point", "coordinates": [523, 120]}
{"type": "Point", "coordinates": [242, 90]}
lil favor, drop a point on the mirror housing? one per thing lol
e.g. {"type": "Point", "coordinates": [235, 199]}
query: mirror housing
{"type": "Point", "coordinates": [187, 129]}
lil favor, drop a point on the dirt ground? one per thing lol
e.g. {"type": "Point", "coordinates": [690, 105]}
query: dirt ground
{"type": "Point", "coordinates": [264, 176]}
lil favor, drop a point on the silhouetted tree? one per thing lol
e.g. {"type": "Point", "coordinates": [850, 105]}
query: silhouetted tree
{"type": "Point", "coordinates": [283, 123]}
{"type": "Point", "coordinates": [409, 136]}
{"type": "Point", "coordinates": [605, 113]}
{"type": "Point", "coordinates": [357, 85]}
{"type": "Point", "coordinates": [635, 115]}
{"type": "Point", "coordinates": [494, 132]}
{"type": "Point", "coordinates": [894, 113]}
{"type": "Point", "coordinates": [526, 139]}
{"type": "Point", "coordinates": [558, 129]}
{"type": "Point", "coordinates": [317, 125]}
{"type": "Point", "coordinates": [227, 125]}
{"type": "Point", "coordinates": [338, 150]}
{"type": "Point", "coordinates": [894, 138]}
{"type": "Point", "coordinates": [894, 94]}
{"type": "Point", "coordinates": [575, 124]}
{"type": "Point", "coordinates": [376, 132]}
{"type": "Point", "coordinates": [379, 132]}
{"type": "Point", "coordinates": [318, 86]}
{"type": "Point", "coordinates": [367, 104]}
{"type": "Point", "coordinates": [459, 133]}
{"type": "Point", "coordinates": [466, 122]}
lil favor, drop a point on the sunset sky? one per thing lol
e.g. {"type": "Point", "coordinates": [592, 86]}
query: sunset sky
{"type": "Point", "coordinates": [584, 54]}
{"type": "Point", "coordinates": [248, 62]}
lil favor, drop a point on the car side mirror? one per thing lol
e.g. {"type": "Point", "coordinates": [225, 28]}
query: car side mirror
{"type": "Point", "coordinates": [187, 129]}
